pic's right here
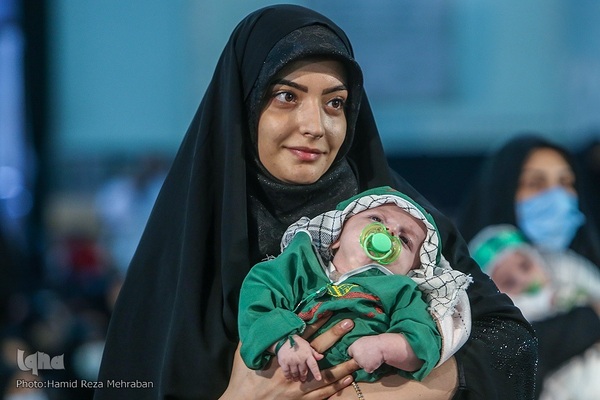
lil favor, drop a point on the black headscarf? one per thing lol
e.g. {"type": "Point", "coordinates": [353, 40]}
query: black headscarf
{"type": "Point", "coordinates": [492, 197]}
{"type": "Point", "coordinates": [175, 322]}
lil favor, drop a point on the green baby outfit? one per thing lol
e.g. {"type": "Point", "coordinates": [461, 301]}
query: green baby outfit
{"type": "Point", "coordinates": [280, 296]}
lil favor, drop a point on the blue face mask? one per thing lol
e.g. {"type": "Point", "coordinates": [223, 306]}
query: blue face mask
{"type": "Point", "coordinates": [550, 219]}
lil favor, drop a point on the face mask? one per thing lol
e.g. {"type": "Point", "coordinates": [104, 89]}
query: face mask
{"type": "Point", "coordinates": [550, 219]}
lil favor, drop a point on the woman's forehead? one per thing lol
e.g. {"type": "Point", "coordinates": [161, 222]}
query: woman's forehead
{"type": "Point", "coordinates": [545, 157]}
{"type": "Point", "coordinates": [311, 63]}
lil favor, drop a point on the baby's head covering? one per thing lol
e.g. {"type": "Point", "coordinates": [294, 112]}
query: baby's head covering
{"type": "Point", "coordinates": [326, 228]}
{"type": "Point", "coordinates": [440, 283]}
{"type": "Point", "coordinates": [495, 241]}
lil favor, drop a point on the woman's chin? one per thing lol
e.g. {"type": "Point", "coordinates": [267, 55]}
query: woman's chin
{"type": "Point", "coordinates": [301, 179]}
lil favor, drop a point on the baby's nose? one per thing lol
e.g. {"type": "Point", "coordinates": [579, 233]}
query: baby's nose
{"type": "Point", "coordinates": [393, 229]}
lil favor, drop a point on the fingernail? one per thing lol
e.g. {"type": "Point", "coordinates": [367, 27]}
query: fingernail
{"type": "Point", "coordinates": [347, 381]}
{"type": "Point", "coordinates": [347, 325]}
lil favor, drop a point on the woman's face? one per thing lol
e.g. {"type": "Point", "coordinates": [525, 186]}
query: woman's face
{"type": "Point", "coordinates": [303, 124]}
{"type": "Point", "coordinates": [411, 231]}
{"type": "Point", "coordinates": [544, 169]}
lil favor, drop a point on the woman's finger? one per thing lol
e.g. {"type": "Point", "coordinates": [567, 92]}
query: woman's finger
{"type": "Point", "coordinates": [332, 377]}
{"type": "Point", "coordinates": [329, 390]}
{"type": "Point", "coordinates": [339, 371]}
{"type": "Point", "coordinates": [332, 381]}
{"type": "Point", "coordinates": [328, 338]}
{"type": "Point", "coordinates": [311, 329]}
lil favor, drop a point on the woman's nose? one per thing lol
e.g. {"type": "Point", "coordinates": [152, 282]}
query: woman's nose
{"type": "Point", "coordinates": [311, 120]}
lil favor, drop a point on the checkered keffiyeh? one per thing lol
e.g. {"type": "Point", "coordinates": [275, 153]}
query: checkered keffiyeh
{"type": "Point", "coordinates": [440, 283]}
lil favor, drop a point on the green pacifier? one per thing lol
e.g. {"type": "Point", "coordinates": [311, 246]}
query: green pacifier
{"type": "Point", "coordinates": [534, 287]}
{"type": "Point", "coordinates": [379, 244]}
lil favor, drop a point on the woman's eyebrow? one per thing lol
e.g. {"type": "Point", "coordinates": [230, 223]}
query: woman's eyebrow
{"type": "Point", "coordinates": [335, 89]}
{"type": "Point", "coordinates": [304, 89]}
{"type": "Point", "coordinates": [290, 83]}
{"type": "Point", "coordinates": [533, 171]}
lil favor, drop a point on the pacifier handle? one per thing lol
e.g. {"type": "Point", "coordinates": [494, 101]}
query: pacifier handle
{"type": "Point", "coordinates": [379, 244]}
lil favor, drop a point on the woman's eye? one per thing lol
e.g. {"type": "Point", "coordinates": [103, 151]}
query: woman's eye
{"type": "Point", "coordinates": [535, 184]}
{"type": "Point", "coordinates": [285, 97]}
{"type": "Point", "coordinates": [567, 183]}
{"type": "Point", "coordinates": [337, 103]}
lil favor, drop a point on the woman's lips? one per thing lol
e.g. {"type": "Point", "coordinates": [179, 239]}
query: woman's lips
{"type": "Point", "coordinates": [305, 153]}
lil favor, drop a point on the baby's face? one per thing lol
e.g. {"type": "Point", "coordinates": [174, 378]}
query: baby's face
{"type": "Point", "coordinates": [350, 255]}
{"type": "Point", "coordinates": [518, 271]}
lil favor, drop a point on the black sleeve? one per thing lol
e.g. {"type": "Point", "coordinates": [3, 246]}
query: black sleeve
{"type": "Point", "coordinates": [497, 362]}
{"type": "Point", "coordinates": [565, 336]}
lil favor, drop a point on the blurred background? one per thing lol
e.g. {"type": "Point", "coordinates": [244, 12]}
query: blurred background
{"type": "Point", "coordinates": [95, 98]}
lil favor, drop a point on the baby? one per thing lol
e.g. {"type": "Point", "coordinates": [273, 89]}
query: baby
{"type": "Point", "coordinates": [540, 282]}
{"type": "Point", "coordinates": [367, 261]}
{"type": "Point", "coordinates": [543, 284]}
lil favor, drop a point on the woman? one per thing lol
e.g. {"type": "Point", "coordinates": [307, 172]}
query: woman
{"type": "Point", "coordinates": [229, 196]}
{"type": "Point", "coordinates": [534, 184]}
{"type": "Point", "coordinates": [506, 181]}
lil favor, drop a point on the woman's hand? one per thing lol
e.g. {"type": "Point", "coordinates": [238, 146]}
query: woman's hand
{"type": "Point", "coordinates": [440, 384]}
{"type": "Point", "coordinates": [269, 383]}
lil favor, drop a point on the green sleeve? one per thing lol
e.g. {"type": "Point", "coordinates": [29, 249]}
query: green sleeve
{"type": "Point", "coordinates": [268, 297]}
{"type": "Point", "coordinates": [268, 329]}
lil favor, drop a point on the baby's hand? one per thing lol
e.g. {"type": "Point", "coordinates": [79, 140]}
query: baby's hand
{"type": "Point", "coordinates": [297, 360]}
{"type": "Point", "coordinates": [370, 352]}
{"type": "Point", "coordinates": [367, 353]}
